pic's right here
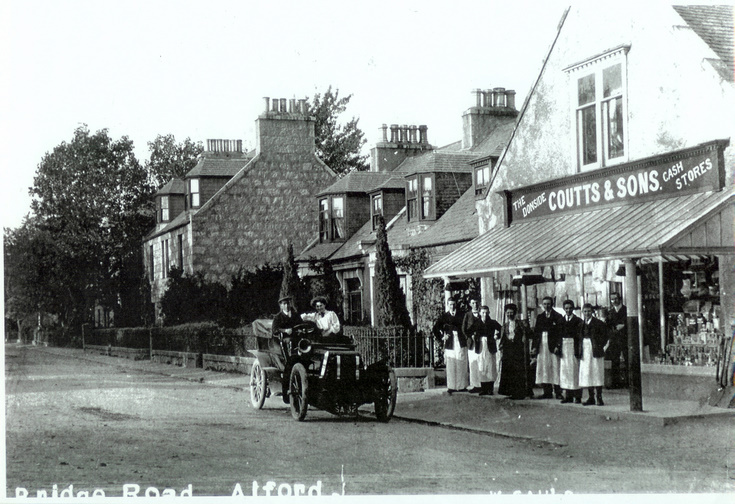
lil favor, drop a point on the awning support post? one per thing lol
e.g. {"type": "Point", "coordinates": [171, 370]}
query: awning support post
{"type": "Point", "coordinates": [662, 311]}
{"type": "Point", "coordinates": [634, 354]}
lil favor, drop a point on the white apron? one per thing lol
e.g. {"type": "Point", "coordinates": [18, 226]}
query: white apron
{"type": "Point", "coordinates": [457, 366]}
{"type": "Point", "coordinates": [591, 370]}
{"type": "Point", "coordinates": [568, 366]}
{"type": "Point", "coordinates": [547, 364]}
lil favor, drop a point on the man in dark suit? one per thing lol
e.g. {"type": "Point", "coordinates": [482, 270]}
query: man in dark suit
{"type": "Point", "coordinates": [618, 323]}
{"type": "Point", "coordinates": [546, 348]}
{"type": "Point", "coordinates": [571, 351]}
{"type": "Point", "coordinates": [514, 338]}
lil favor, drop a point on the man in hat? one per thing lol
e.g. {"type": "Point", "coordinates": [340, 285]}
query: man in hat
{"type": "Point", "coordinates": [326, 320]}
{"type": "Point", "coordinates": [283, 324]}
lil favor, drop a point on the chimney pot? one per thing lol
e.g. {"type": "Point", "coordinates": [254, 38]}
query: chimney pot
{"type": "Point", "coordinates": [239, 146]}
{"type": "Point", "coordinates": [423, 139]}
{"type": "Point", "coordinates": [283, 105]}
{"type": "Point", "coordinates": [478, 99]}
{"type": "Point", "coordinates": [385, 132]}
{"type": "Point", "coordinates": [394, 133]}
{"type": "Point", "coordinates": [412, 133]}
{"type": "Point", "coordinates": [304, 106]}
{"type": "Point", "coordinates": [267, 101]}
{"type": "Point", "coordinates": [291, 105]}
{"type": "Point", "coordinates": [404, 133]}
{"type": "Point", "coordinates": [499, 96]}
{"type": "Point", "coordinates": [487, 98]}
{"type": "Point", "coordinates": [510, 99]}
{"type": "Point", "coordinates": [274, 105]}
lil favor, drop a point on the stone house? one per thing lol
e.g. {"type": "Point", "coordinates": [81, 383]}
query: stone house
{"type": "Point", "coordinates": [238, 210]}
{"type": "Point", "coordinates": [619, 179]}
{"type": "Point", "coordinates": [425, 194]}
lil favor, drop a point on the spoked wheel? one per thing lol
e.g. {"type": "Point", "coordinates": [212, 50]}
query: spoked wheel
{"type": "Point", "coordinates": [299, 392]}
{"type": "Point", "coordinates": [385, 402]}
{"type": "Point", "coordinates": [258, 385]}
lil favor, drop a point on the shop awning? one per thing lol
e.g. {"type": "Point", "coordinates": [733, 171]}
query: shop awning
{"type": "Point", "coordinates": [695, 224]}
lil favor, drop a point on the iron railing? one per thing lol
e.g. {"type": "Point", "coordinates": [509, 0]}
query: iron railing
{"type": "Point", "coordinates": [400, 346]}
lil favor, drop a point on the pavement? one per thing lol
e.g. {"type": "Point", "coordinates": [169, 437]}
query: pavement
{"type": "Point", "coordinates": [528, 419]}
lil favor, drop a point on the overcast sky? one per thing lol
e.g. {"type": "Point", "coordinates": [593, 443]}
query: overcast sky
{"type": "Point", "coordinates": [201, 69]}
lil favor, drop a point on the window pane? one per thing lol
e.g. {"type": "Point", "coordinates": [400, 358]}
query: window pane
{"type": "Point", "coordinates": [586, 90]}
{"type": "Point", "coordinates": [614, 109]}
{"type": "Point", "coordinates": [194, 185]}
{"type": "Point", "coordinates": [323, 219]}
{"type": "Point", "coordinates": [338, 230]}
{"type": "Point", "coordinates": [412, 209]}
{"type": "Point", "coordinates": [612, 81]}
{"type": "Point", "coordinates": [426, 198]}
{"type": "Point", "coordinates": [195, 199]}
{"type": "Point", "coordinates": [588, 132]}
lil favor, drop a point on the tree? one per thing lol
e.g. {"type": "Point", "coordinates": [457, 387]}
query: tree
{"type": "Point", "coordinates": [390, 300]}
{"type": "Point", "coordinates": [170, 160]}
{"type": "Point", "coordinates": [292, 284]}
{"type": "Point", "coordinates": [325, 284]}
{"type": "Point", "coordinates": [339, 146]}
{"type": "Point", "coordinates": [93, 199]}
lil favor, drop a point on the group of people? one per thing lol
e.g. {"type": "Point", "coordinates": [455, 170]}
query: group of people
{"type": "Point", "coordinates": [287, 318]}
{"type": "Point", "coordinates": [564, 354]}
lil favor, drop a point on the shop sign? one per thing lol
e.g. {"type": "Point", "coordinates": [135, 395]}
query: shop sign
{"type": "Point", "coordinates": [693, 170]}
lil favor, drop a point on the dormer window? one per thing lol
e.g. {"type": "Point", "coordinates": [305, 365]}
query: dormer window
{"type": "Point", "coordinates": [164, 216]}
{"type": "Point", "coordinates": [194, 201]}
{"type": "Point", "coordinates": [420, 200]}
{"type": "Point", "coordinates": [600, 110]}
{"type": "Point", "coordinates": [482, 178]}
{"type": "Point", "coordinates": [377, 211]}
{"type": "Point", "coordinates": [331, 218]}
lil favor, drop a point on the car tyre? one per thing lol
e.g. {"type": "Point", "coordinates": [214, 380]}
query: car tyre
{"type": "Point", "coordinates": [385, 403]}
{"type": "Point", "coordinates": [258, 385]}
{"type": "Point", "coordinates": [299, 392]}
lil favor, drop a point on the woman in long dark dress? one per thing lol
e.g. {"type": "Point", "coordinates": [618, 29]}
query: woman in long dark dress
{"type": "Point", "coordinates": [514, 339]}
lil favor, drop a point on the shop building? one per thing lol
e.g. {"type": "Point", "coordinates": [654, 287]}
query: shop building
{"type": "Point", "coordinates": [619, 178]}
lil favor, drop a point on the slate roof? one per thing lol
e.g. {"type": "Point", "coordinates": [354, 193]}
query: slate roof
{"type": "Point", "coordinates": [496, 141]}
{"type": "Point", "coordinates": [361, 181]}
{"type": "Point", "coordinates": [439, 161]}
{"type": "Point", "coordinates": [173, 186]}
{"type": "Point", "coordinates": [219, 166]}
{"type": "Point", "coordinates": [714, 25]}
{"type": "Point", "coordinates": [320, 251]}
{"type": "Point", "coordinates": [178, 221]}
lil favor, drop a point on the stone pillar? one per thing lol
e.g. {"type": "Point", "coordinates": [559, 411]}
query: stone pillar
{"type": "Point", "coordinates": [634, 353]}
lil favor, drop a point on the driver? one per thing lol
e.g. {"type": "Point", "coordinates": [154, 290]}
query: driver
{"type": "Point", "coordinates": [287, 318]}
{"type": "Point", "coordinates": [326, 320]}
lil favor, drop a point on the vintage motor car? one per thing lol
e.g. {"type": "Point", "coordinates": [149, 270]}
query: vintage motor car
{"type": "Point", "coordinates": [327, 373]}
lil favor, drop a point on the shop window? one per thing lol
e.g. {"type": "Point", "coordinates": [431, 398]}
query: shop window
{"type": "Point", "coordinates": [194, 200]}
{"type": "Point", "coordinates": [377, 211]}
{"type": "Point", "coordinates": [412, 206]}
{"type": "Point", "coordinates": [482, 179]}
{"type": "Point", "coordinates": [600, 110]}
{"type": "Point", "coordinates": [164, 217]}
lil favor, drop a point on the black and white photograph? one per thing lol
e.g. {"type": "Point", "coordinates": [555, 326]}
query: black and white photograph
{"type": "Point", "coordinates": [440, 250]}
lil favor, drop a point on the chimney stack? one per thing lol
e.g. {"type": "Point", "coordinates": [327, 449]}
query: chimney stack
{"type": "Point", "coordinates": [493, 107]}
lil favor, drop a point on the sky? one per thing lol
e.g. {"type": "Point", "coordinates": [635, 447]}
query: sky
{"type": "Point", "coordinates": [201, 69]}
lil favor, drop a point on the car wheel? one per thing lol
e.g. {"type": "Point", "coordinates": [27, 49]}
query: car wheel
{"type": "Point", "coordinates": [258, 385]}
{"type": "Point", "coordinates": [299, 392]}
{"type": "Point", "coordinates": [385, 403]}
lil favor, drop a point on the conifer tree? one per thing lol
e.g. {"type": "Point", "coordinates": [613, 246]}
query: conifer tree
{"type": "Point", "coordinates": [389, 298]}
{"type": "Point", "coordinates": [291, 284]}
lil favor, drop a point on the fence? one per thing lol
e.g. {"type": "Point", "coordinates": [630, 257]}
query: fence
{"type": "Point", "coordinates": [402, 347]}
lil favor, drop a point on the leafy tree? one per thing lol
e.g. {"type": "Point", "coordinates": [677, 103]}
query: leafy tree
{"type": "Point", "coordinates": [191, 298]}
{"type": "Point", "coordinates": [170, 159]}
{"type": "Point", "coordinates": [93, 198]}
{"type": "Point", "coordinates": [253, 294]}
{"type": "Point", "coordinates": [338, 145]}
{"type": "Point", "coordinates": [390, 301]}
{"type": "Point", "coordinates": [292, 284]}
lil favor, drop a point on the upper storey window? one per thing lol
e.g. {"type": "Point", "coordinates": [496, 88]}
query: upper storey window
{"type": "Point", "coordinates": [194, 201]}
{"type": "Point", "coordinates": [377, 211]}
{"type": "Point", "coordinates": [164, 209]}
{"type": "Point", "coordinates": [600, 110]}
{"type": "Point", "coordinates": [331, 218]}
{"type": "Point", "coordinates": [420, 197]}
{"type": "Point", "coordinates": [482, 178]}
